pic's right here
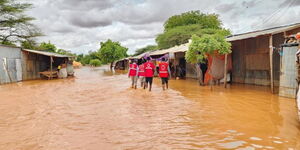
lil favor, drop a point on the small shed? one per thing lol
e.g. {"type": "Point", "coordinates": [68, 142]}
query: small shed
{"type": "Point", "coordinates": [34, 62]}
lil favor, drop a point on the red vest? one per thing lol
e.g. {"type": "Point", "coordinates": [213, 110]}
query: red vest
{"type": "Point", "coordinates": [132, 69]}
{"type": "Point", "coordinates": [141, 70]}
{"type": "Point", "coordinates": [149, 67]}
{"type": "Point", "coordinates": [163, 70]}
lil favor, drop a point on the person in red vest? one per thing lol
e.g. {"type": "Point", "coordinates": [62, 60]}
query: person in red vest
{"type": "Point", "coordinates": [149, 72]}
{"type": "Point", "coordinates": [133, 73]}
{"type": "Point", "coordinates": [141, 74]}
{"type": "Point", "coordinates": [164, 73]}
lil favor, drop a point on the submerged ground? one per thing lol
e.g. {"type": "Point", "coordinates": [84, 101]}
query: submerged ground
{"type": "Point", "coordinates": [97, 110]}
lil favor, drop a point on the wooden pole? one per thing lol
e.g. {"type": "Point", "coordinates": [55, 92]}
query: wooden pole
{"type": "Point", "coordinates": [271, 63]}
{"type": "Point", "coordinates": [225, 71]}
{"type": "Point", "coordinates": [51, 61]}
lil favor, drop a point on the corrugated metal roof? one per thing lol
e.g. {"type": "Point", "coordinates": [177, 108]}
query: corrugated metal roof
{"type": "Point", "coordinates": [176, 49]}
{"type": "Point", "coordinates": [47, 53]}
{"type": "Point", "coordinates": [139, 56]}
{"type": "Point", "coordinates": [253, 34]}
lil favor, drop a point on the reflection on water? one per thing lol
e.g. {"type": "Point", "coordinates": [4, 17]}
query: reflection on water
{"type": "Point", "coordinates": [97, 110]}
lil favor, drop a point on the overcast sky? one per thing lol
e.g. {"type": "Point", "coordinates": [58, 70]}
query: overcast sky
{"type": "Point", "coordinates": [80, 25]}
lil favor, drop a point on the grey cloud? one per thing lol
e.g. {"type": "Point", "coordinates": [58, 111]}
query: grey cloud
{"type": "Point", "coordinates": [63, 30]}
{"type": "Point", "coordinates": [79, 25]}
{"type": "Point", "coordinates": [88, 21]}
{"type": "Point", "coordinates": [250, 3]}
{"type": "Point", "coordinates": [290, 3]}
{"type": "Point", "coordinates": [223, 8]}
{"type": "Point", "coordinates": [83, 5]}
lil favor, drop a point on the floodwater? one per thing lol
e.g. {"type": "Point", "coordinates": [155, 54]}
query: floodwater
{"type": "Point", "coordinates": [98, 110]}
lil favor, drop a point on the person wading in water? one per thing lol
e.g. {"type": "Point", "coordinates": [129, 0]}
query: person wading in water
{"type": "Point", "coordinates": [133, 72]}
{"type": "Point", "coordinates": [164, 73]}
{"type": "Point", "coordinates": [141, 73]}
{"type": "Point", "coordinates": [149, 72]}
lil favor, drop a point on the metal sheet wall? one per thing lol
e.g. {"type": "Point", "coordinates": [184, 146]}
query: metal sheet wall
{"type": "Point", "coordinates": [8, 72]}
{"type": "Point", "coordinates": [288, 83]}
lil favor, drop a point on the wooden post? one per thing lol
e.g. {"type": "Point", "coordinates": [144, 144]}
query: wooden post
{"type": "Point", "coordinates": [225, 71]}
{"type": "Point", "coordinates": [271, 63]}
{"type": "Point", "coordinates": [51, 61]}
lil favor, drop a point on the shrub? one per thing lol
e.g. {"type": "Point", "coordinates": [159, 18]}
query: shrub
{"type": "Point", "coordinates": [95, 62]}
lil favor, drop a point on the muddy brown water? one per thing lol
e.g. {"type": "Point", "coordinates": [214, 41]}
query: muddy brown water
{"type": "Point", "coordinates": [98, 110]}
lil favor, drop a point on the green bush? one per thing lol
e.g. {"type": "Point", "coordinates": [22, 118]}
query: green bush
{"type": "Point", "coordinates": [95, 62]}
{"type": "Point", "coordinates": [85, 60]}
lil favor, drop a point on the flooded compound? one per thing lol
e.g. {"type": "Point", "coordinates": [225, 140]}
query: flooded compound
{"type": "Point", "coordinates": [98, 110]}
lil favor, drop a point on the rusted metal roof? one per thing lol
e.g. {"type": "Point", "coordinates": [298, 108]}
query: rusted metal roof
{"type": "Point", "coordinates": [47, 53]}
{"type": "Point", "coordinates": [253, 34]}
{"type": "Point", "coordinates": [176, 49]}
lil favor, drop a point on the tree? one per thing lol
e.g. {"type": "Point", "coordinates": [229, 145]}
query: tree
{"type": "Point", "coordinates": [15, 26]}
{"type": "Point", "coordinates": [111, 51]}
{"type": "Point", "coordinates": [29, 44]}
{"type": "Point", "coordinates": [79, 57]}
{"type": "Point", "coordinates": [95, 62]}
{"type": "Point", "coordinates": [193, 17]}
{"type": "Point", "coordinates": [145, 49]}
{"type": "Point", "coordinates": [207, 44]}
{"type": "Point", "coordinates": [49, 47]}
{"type": "Point", "coordinates": [204, 45]}
{"type": "Point", "coordinates": [85, 60]}
{"type": "Point", "coordinates": [180, 28]}
{"type": "Point", "coordinates": [65, 52]}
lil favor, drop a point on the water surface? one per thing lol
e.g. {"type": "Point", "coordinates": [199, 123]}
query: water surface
{"type": "Point", "coordinates": [98, 110]}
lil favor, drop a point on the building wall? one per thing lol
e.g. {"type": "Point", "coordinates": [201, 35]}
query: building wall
{"type": "Point", "coordinates": [278, 39]}
{"type": "Point", "coordinates": [251, 62]}
{"type": "Point", "coordinates": [288, 84]}
{"type": "Point", "coordinates": [251, 59]}
{"type": "Point", "coordinates": [13, 59]}
{"type": "Point", "coordinates": [191, 71]}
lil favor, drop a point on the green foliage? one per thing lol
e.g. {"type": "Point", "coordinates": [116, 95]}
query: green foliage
{"type": "Point", "coordinates": [65, 52]}
{"type": "Point", "coordinates": [182, 34]}
{"type": "Point", "coordinates": [85, 60]}
{"type": "Point", "coordinates": [193, 17]}
{"type": "Point", "coordinates": [8, 43]}
{"type": "Point", "coordinates": [29, 44]}
{"type": "Point", "coordinates": [180, 28]}
{"type": "Point", "coordinates": [145, 49]}
{"type": "Point", "coordinates": [79, 57]}
{"type": "Point", "coordinates": [111, 51]}
{"type": "Point", "coordinates": [14, 24]}
{"type": "Point", "coordinates": [95, 55]}
{"type": "Point", "coordinates": [95, 62]}
{"type": "Point", "coordinates": [49, 47]}
{"type": "Point", "coordinates": [206, 44]}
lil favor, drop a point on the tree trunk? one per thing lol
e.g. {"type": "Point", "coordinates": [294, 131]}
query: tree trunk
{"type": "Point", "coordinates": [199, 74]}
{"type": "Point", "coordinates": [111, 65]}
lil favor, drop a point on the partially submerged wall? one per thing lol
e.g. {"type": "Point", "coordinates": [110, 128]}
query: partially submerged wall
{"type": "Point", "coordinates": [32, 64]}
{"type": "Point", "coordinates": [10, 64]}
{"type": "Point", "coordinates": [250, 61]}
